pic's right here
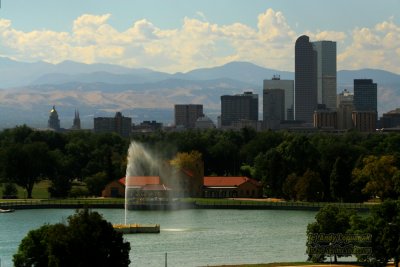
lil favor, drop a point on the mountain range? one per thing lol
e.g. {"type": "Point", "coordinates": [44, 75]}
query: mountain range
{"type": "Point", "coordinates": [30, 89]}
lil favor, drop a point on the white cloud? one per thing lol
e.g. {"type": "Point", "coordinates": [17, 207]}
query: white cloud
{"type": "Point", "coordinates": [197, 43]}
{"type": "Point", "coordinates": [375, 47]}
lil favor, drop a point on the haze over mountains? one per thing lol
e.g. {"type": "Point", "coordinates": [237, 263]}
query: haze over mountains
{"type": "Point", "coordinates": [28, 90]}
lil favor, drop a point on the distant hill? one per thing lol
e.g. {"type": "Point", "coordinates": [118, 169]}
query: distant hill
{"type": "Point", "coordinates": [30, 89]}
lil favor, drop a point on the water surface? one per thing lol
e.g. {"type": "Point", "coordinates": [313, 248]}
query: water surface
{"type": "Point", "coordinates": [189, 237]}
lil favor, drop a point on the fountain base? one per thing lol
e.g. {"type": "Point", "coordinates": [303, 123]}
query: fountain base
{"type": "Point", "coordinates": [137, 228]}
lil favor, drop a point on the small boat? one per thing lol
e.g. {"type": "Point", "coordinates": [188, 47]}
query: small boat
{"type": "Point", "coordinates": [6, 210]}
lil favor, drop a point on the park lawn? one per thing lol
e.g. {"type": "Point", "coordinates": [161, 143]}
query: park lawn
{"type": "Point", "coordinates": [40, 190]}
{"type": "Point", "coordinates": [309, 264]}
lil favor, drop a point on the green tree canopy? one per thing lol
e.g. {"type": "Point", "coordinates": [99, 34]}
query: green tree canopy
{"type": "Point", "coordinates": [330, 220]}
{"type": "Point", "coordinates": [87, 240]}
{"type": "Point", "coordinates": [380, 176]}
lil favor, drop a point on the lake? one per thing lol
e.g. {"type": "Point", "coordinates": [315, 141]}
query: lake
{"type": "Point", "coordinates": [193, 237]}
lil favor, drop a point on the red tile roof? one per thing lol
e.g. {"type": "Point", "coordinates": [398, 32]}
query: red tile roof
{"type": "Point", "coordinates": [141, 180]}
{"type": "Point", "coordinates": [228, 181]}
{"type": "Point", "coordinates": [155, 187]}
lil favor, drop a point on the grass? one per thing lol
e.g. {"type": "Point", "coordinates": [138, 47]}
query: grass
{"type": "Point", "coordinates": [40, 190]}
{"type": "Point", "coordinates": [288, 264]}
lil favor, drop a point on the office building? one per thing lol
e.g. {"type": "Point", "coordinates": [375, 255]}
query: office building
{"type": "Point", "coordinates": [306, 94]}
{"type": "Point", "coordinates": [288, 87]}
{"type": "Point", "coordinates": [364, 121]}
{"type": "Point", "coordinates": [365, 95]}
{"type": "Point", "coordinates": [391, 119]}
{"type": "Point", "coordinates": [238, 107]}
{"type": "Point", "coordinates": [118, 124]}
{"type": "Point", "coordinates": [273, 108]}
{"type": "Point", "coordinates": [325, 118]}
{"type": "Point", "coordinates": [345, 109]}
{"type": "Point", "coordinates": [54, 121]}
{"type": "Point", "coordinates": [186, 115]}
{"type": "Point", "coordinates": [326, 73]}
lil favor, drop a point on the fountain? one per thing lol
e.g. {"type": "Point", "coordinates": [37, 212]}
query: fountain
{"type": "Point", "coordinates": [140, 163]}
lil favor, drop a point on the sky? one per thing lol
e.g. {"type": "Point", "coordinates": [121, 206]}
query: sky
{"type": "Point", "coordinates": [181, 35]}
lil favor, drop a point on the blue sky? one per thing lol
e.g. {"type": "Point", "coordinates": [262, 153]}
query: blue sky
{"type": "Point", "coordinates": [180, 35]}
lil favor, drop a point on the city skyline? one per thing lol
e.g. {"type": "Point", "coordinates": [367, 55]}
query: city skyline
{"type": "Point", "coordinates": [200, 34]}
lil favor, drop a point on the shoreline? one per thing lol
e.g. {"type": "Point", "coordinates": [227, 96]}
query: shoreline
{"type": "Point", "coordinates": [183, 204]}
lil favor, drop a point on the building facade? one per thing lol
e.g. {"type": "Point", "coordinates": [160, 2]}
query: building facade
{"type": "Point", "coordinates": [186, 115]}
{"type": "Point", "coordinates": [325, 119]}
{"type": "Point", "coordinates": [238, 107]}
{"type": "Point", "coordinates": [54, 121]}
{"type": "Point", "coordinates": [273, 108]}
{"type": "Point", "coordinates": [118, 124]}
{"type": "Point", "coordinates": [345, 108]}
{"type": "Point", "coordinates": [288, 87]}
{"type": "Point", "coordinates": [364, 121]}
{"type": "Point", "coordinates": [365, 95]}
{"type": "Point", "coordinates": [306, 93]}
{"type": "Point", "coordinates": [391, 119]}
{"type": "Point", "coordinates": [326, 73]}
{"type": "Point", "coordinates": [231, 187]}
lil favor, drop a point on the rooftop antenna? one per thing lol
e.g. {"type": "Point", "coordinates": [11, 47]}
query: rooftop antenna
{"type": "Point", "coordinates": [276, 77]}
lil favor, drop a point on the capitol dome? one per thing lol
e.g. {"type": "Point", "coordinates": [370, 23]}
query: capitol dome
{"type": "Point", "coordinates": [54, 122]}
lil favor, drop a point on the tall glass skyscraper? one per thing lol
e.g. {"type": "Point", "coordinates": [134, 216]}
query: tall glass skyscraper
{"type": "Point", "coordinates": [305, 99]}
{"type": "Point", "coordinates": [326, 72]}
{"type": "Point", "coordinates": [365, 95]}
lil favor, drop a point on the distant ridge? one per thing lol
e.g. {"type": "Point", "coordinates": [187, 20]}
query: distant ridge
{"type": "Point", "coordinates": [28, 90]}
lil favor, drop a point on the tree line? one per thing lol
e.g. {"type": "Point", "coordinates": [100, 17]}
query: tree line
{"type": "Point", "coordinates": [373, 238]}
{"type": "Point", "coordinates": [349, 167]}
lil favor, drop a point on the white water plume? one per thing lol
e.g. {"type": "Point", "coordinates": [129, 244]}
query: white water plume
{"type": "Point", "coordinates": [140, 163]}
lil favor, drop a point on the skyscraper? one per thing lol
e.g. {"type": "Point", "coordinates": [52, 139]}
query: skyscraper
{"type": "Point", "coordinates": [273, 108]}
{"type": "Point", "coordinates": [326, 72]}
{"type": "Point", "coordinates": [288, 87]}
{"type": "Point", "coordinates": [239, 107]}
{"type": "Point", "coordinates": [306, 95]}
{"type": "Point", "coordinates": [345, 108]}
{"type": "Point", "coordinates": [365, 95]}
{"type": "Point", "coordinates": [53, 122]}
{"type": "Point", "coordinates": [186, 115]}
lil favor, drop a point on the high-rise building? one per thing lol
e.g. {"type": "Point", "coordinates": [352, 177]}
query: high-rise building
{"type": "Point", "coordinates": [326, 72]}
{"type": "Point", "coordinates": [345, 109]}
{"type": "Point", "coordinates": [118, 124]}
{"type": "Point", "coordinates": [364, 121]}
{"type": "Point", "coordinates": [239, 107]}
{"type": "Point", "coordinates": [325, 118]}
{"type": "Point", "coordinates": [305, 94]}
{"type": "Point", "coordinates": [54, 121]}
{"type": "Point", "coordinates": [77, 121]}
{"type": "Point", "coordinates": [186, 115]}
{"type": "Point", "coordinates": [288, 87]}
{"type": "Point", "coordinates": [365, 95]}
{"type": "Point", "coordinates": [273, 108]}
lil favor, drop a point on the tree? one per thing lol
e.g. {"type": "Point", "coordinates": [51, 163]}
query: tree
{"type": "Point", "coordinates": [383, 225]}
{"type": "Point", "coordinates": [96, 183]}
{"type": "Point", "coordinates": [26, 164]}
{"type": "Point", "coordinates": [340, 180]}
{"type": "Point", "coordinates": [87, 240]}
{"type": "Point", "coordinates": [270, 168]}
{"type": "Point", "coordinates": [379, 175]}
{"type": "Point", "coordinates": [10, 191]}
{"type": "Point", "coordinates": [309, 187]}
{"type": "Point", "coordinates": [331, 220]}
